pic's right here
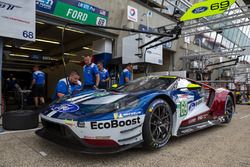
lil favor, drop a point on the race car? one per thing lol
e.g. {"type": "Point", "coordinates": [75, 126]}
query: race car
{"type": "Point", "coordinates": [144, 112]}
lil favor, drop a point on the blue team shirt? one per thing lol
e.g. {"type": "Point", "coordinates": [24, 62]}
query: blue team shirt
{"type": "Point", "coordinates": [125, 73]}
{"type": "Point", "coordinates": [61, 87]}
{"type": "Point", "coordinates": [104, 74]}
{"type": "Point", "coordinates": [89, 74]}
{"type": "Point", "coordinates": [39, 77]}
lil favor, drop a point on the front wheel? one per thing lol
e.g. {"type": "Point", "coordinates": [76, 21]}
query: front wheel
{"type": "Point", "coordinates": [157, 127]}
{"type": "Point", "coordinates": [229, 109]}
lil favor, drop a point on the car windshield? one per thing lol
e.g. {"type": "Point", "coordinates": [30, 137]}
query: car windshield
{"type": "Point", "coordinates": [147, 83]}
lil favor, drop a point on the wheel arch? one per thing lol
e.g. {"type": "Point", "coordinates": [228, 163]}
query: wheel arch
{"type": "Point", "coordinates": [233, 97]}
{"type": "Point", "coordinates": [168, 99]}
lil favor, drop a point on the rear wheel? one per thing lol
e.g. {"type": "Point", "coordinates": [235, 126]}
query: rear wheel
{"type": "Point", "coordinates": [229, 109]}
{"type": "Point", "coordinates": [157, 127]}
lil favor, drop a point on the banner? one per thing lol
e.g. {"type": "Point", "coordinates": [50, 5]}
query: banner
{"type": "Point", "coordinates": [74, 10]}
{"type": "Point", "coordinates": [207, 8]}
{"type": "Point", "coordinates": [18, 19]}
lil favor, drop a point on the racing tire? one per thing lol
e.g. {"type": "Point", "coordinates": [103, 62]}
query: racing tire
{"type": "Point", "coordinates": [229, 109]}
{"type": "Point", "coordinates": [20, 120]}
{"type": "Point", "coordinates": [157, 127]}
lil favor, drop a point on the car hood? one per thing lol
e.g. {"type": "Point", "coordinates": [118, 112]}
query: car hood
{"type": "Point", "coordinates": [94, 105]}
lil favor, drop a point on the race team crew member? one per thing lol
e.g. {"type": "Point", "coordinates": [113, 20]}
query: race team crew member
{"type": "Point", "coordinates": [104, 76]}
{"type": "Point", "coordinates": [74, 85]}
{"type": "Point", "coordinates": [126, 74]}
{"type": "Point", "coordinates": [38, 82]}
{"type": "Point", "coordinates": [90, 74]}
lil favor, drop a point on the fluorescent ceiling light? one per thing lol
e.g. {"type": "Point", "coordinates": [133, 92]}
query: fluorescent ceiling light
{"type": "Point", "coordinates": [8, 46]}
{"type": "Point", "coordinates": [54, 59]}
{"type": "Point", "coordinates": [72, 30]}
{"type": "Point", "coordinates": [70, 54]}
{"type": "Point", "coordinates": [33, 49]}
{"type": "Point", "coordinates": [86, 48]}
{"type": "Point", "coordinates": [47, 41]}
{"type": "Point", "coordinates": [19, 55]}
{"type": "Point", "coordinates": [39, 22]}
{"type": "Point", "coordinates": [74, 61]}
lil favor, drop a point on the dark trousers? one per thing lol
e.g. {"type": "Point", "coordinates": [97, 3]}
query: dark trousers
{"type": "Point", "coordinates": [90, 87]}
{"type": "Point", "coordinates": [102, 86]}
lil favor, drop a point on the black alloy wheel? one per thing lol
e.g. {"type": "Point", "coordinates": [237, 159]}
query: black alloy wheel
{"type": "Point", "coordinates": [229, 109]}
{"type": "Point", "coordinates": [157, 127]}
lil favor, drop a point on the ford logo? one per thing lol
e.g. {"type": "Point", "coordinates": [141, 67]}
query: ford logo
{"type": "Point", "coordinates": [199, 10]}
{"type": "Point", "coordinates": [67, 107]}
{"type": "Point", "coordinates": [192, 106]}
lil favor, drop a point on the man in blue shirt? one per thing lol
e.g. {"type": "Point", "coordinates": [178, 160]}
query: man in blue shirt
{"type": "Point", "coordinates": [38, 82]}
{"type": "Point", "coordinates": [90, 74]}
{"type": "Point", "coordinates": [74, 85]}
{"type": "Point", "coordinates": [126, 75]}
{"type": "Point", "coordinates": [104, 76]}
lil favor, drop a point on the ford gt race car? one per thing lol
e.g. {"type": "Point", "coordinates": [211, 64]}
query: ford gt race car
{"type": "Point", "coordinates": [145, 112]}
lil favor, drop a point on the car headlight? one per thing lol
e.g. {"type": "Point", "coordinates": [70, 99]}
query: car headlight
{"type": "Point", "coordinates": [121, 104]}
{"type": "Point", "coordinates": [128, 103]}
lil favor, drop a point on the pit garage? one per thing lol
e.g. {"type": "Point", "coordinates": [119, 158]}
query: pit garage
{"type": "Point", "coordinates": [46, 52]}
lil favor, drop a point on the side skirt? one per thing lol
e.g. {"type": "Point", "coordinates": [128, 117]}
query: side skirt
{"type": "Point", "coordinates": [193, 128]}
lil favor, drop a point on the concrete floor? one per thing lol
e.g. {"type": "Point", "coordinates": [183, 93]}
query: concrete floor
{"type": "Point", "coordinates": [225, 145]}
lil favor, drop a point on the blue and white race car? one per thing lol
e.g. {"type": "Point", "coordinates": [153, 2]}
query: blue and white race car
{"type": "Point", "coordinates": [146, 111]}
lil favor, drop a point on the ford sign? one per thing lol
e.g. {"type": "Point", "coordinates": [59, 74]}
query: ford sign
{"type": "Point", "coordinates": [200, 10]}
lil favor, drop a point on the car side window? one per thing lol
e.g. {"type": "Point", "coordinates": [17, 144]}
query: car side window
{"type": "Point", "coordinates": [203, 91]}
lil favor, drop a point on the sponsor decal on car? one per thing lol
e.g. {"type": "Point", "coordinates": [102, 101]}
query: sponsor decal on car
{"type": "Point", "coordinates": [198, 102]}
{"type": "Point", "coordinates": [194, 104]}
{"type": "Point", "coordinates": [81, 124]}
{"type": "Point", "coordinates": [120, 115]}
{"type": "Point", "coordinates": [201, 117]}
{"type": "Point", "coordinates": [101, 94]}
{"type": "Point", "coordinates": [192, 121]}
{"type": "Point", "coordinates": [97, 137]}
{"type": "Point", "coordinates": [114, 123]}
{"type": "Point", "coordinates": [117, 115]}
{"type": "Point", "coordinates": [67, 107]}
{"type": "Point", "coordinates": [191, 106]}
{"type": "Point", "coordinates": [183, 108]}
{"type": "Point", "coordinates": [70, 123]}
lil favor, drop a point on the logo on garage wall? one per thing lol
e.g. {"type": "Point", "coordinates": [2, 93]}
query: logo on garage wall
{"type": "Point", "coordinates": [132, 14]}
{"type": "Point", "coordinates": [46, 5]}
{"type": "Point", "coordinates": [8, 6]}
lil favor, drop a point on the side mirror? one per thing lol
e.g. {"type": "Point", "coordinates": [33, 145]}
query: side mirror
{"type": "Point", "coordinates": [193, 87]}
{"type": "Point", "coordinates": [114, 86]}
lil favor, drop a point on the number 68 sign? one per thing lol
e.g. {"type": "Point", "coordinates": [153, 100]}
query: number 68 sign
{"type": "Point", "coordinates": [17, 19]}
